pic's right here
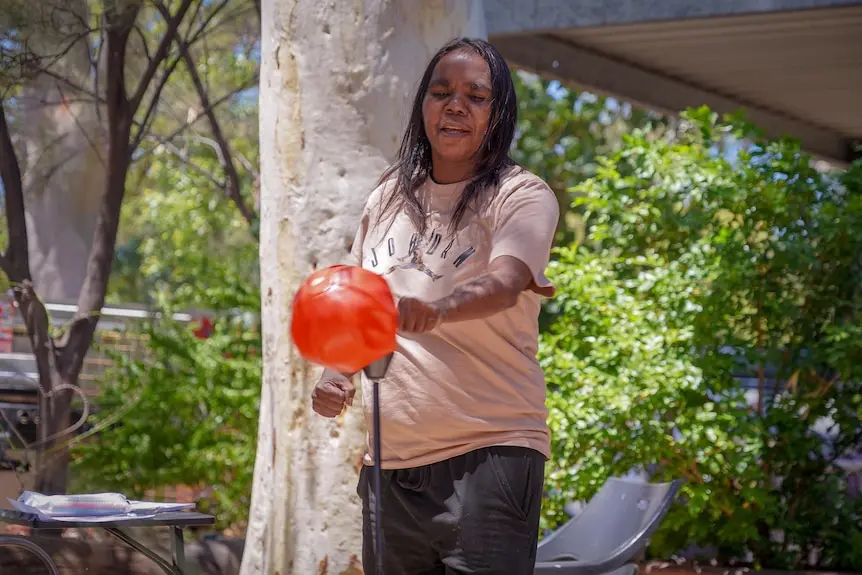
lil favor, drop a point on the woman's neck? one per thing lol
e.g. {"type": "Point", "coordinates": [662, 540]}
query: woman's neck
{"type": "Point", "coordinates": [443, 172]}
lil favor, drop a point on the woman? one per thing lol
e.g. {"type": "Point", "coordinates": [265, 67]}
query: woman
{"type": "Point", "coordinates": [463, 236]}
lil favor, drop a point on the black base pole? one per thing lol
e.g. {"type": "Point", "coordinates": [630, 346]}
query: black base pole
{"type": "Point", "coordinates": [378, 538]}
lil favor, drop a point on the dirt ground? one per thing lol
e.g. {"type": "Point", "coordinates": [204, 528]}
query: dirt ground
{"type": "Point", "coordinates": [88, 557]}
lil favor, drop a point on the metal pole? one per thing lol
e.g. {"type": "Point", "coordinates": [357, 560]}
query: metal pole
{"type": "Point", "coordinates": [378, 539]}
{"type": "Point", "coordinates": [375, 372]}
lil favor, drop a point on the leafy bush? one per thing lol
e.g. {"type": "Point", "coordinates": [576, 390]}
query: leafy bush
{"type": "Point", "coordinates": [702, 271]}
{"type": "Point", "coordinates": [185, 414]}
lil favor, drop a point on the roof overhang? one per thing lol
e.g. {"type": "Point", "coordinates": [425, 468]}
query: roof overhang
{"type": "Point", "coordinates": [794, 66]}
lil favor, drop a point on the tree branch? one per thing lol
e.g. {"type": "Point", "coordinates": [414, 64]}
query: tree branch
{"type": "Point", "coordinates": [246, 164]}
{"type": "Point", "coordinates": [203, 28]}
{"type": "Point", "coordinates": [187, 161]}
{"type": "Point", "coordinates": [209, 142]}
{"type": "Point", "coordinates": [97, 72]}
{"type": "Point", "coordinates": [16, 263]}
{"type": "Point", "coordinates": [160, 54]}
{"type": "Point", "coordinates": [81, 129]}
{"type": "Point", "coordinates": [143, 40]}
{"type": "Point", "coordinates": [190, 123]}
{"type": "Point", "coordinates": [95, 96]}
{"type": "Point", "coordinates": [76, 340]}
{"type": "Point", "coordinates": [249, 167]}
{"type": "Point", "coordinates": [234, 190]}
{"type": "Point", "coordinates": [154, 102]}
{"type": "Point", "coordinates": [16, 257]}
{"type": "Point", "coordinates": [198, 34]}
{"type": "Point", "coordinates": [58, 56]}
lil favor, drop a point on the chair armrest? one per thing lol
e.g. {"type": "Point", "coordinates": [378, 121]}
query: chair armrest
{"type": "Point", "coordinates": [581, 568]}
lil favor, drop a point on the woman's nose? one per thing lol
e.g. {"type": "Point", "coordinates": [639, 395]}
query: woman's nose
{"type": "Point", "coordinates": [455, 105]}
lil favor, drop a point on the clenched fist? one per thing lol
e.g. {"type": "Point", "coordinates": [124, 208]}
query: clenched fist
{"type": "Point", "coordinates": [417, 316]}
{"type": "Point", "coordinates": [332, 394]}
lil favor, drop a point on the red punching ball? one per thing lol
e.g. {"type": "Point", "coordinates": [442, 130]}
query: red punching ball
{"type": "Point", "coordinates": [344, 318]}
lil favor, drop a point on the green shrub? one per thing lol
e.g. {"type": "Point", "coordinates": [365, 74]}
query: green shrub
{"type": "Point", "coordinates": [185, 414]}
{"type": "Point", "coordinates": [699, 268]}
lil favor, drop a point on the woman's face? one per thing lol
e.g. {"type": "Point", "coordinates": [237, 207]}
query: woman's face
{"type": "Point", "coordinates": [456, 112]}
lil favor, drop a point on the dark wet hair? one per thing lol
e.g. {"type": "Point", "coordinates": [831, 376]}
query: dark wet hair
{"type": "Point", "coordinates": [412, 165]}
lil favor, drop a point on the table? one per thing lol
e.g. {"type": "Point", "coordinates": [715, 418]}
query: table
{"type": "Point", "coordinates": [175, 520]}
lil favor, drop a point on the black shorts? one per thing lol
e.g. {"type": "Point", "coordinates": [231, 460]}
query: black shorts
{"type": "Point", "coordinates": [475, 513]}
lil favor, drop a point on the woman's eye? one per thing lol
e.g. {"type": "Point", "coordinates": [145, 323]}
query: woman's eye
{"type": "Point", "coordinates": [439, 95]}
{"type": "Point", "coordinates": [478, 98]}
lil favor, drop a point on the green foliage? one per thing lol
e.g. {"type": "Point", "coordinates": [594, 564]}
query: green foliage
{"type": "Point", "coordinates": [181, 222]}
{"type": "Point", "coordinates": [185, 411]}
{"type": "Point", "coordinates": [185, 414]}
{"type": "Point", "coordinates": [561, 133]}
{"type": "Point", "coordinates": [700, 268]}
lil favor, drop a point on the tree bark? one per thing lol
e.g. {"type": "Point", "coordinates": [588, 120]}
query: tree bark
{"type": "Point", "coordinates": [336, 83]}
{"type": "Point", "coordinates": [53, 405]}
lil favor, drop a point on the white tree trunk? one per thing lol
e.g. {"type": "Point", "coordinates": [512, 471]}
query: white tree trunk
{"type": "Point", "coordinates": [63, 153]}
{"type": "Point", "coordinates": [336, 83]}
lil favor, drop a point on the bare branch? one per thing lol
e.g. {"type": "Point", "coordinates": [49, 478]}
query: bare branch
{"type": "Point", "coordinates": [176, 152]}
{"type": "Point", "coordinates": [73, 86]}
{"type": "Point", "coordinates": [160, 54]}
{"type": "Point", "coordinates": [45, 150]}
{"type": "Point", "coordinates": [97, 71]}
{"type": "Point", "coordinates": [62, 53]}
{"type": "Point", "coordinates": [249, 167]}
{"type": "Point", "coordinates": [154, 102]}
{"type": "Point", "coordinates": [57, 8]}
{"type": "Point", "coordinates": [33, 103]}
{"type": "Point", "coordinates": [143, 39]}
{"type": "Point", "coordinates": [190, 123]}
{"type": "Point", "coordinates": [209, 142]}
{"type": "Point", "coordinates": [234, 189]}
{"type": "Point", "coordinates": [81, 129]}
{"type": "Point", "coordinates": [200, 33]}
{"type": "Point", "coordinates": [48, 173]}
{"type": "Point", "coordinates": [194, 17]}
{"type": "Point", "coordinates": [204, 25]}
{"type": "Point", "coordinates": [215, 147]}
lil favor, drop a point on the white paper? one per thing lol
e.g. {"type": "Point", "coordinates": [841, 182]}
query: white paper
{"type": "Point", "coordinates": [156, 507]}
{"type": "Point", "coordinates": [91, 508]}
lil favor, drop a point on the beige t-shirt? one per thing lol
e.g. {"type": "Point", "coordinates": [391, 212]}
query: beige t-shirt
{"type": "Point", "coordinates": [471, 384]}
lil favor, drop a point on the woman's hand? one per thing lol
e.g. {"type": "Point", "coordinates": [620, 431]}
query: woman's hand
{"type": "Point", "coordinates": [332, 394]}
{"type": "Point", "coordinates": [417, 316]}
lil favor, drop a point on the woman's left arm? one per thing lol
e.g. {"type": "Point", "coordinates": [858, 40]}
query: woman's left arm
{"type": "Point", "coordinates": [490, 293]}
{"type": "Point", "coordinates": [526, 223]}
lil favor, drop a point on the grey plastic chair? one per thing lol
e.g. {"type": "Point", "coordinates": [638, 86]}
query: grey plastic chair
{"type": "Point", "coordinates": [610, 531]}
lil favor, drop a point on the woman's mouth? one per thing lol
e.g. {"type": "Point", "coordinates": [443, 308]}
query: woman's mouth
{"type": "Point", "coordinates": [454, 131]}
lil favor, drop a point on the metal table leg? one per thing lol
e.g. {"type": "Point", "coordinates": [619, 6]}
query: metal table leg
{"type": "Point", "coordinates": [179, 549]}
{"type": "Point", "coordinates": [170, 569]}
{"type": "Point", "coordinates": [32, 548]}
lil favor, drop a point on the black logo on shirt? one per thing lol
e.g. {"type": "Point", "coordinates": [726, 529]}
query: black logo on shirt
{"type": "Point", "coordinates": [416, 252]}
